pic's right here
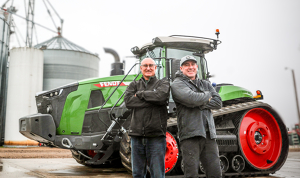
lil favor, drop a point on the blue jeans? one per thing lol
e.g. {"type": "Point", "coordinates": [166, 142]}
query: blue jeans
{"type": "Point", "coordinates": [148, 151]}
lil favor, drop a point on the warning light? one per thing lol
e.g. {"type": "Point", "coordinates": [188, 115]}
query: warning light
{"type": "Point", "coordinates": [258, 92]}
{"type": "Point", "coordinates": [217, 33]}
{"type": "Point", "coordinates": [259, 95]}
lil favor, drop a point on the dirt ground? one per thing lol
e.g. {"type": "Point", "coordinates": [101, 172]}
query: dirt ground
{"type": "Point", "coordinates": [45, 152]}
{"type": "Point", "coordinates": [34, 152]}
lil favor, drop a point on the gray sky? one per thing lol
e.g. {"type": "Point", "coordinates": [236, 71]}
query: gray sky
{"type": "Point", "coordinates": [259, 38]}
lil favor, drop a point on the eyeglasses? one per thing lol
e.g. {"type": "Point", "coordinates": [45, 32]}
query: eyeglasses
{"type": "Point", "coordinates": [148, 65]}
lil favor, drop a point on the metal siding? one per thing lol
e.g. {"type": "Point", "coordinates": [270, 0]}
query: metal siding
{"type": "Point", "coordinates": [25, 80]}
{"type": "Point", "coordinates": [63, 66]}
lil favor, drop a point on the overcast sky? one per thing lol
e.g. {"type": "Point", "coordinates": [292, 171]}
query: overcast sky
{"type": "Point", "coordinates": [259, 38]}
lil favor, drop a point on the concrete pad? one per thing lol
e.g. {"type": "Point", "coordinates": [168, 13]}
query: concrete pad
{"type": "Point", "coordinates": [68, 167]}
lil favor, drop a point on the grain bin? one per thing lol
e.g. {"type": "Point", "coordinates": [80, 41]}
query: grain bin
{"type": "Point", "coordinates": [66, 62]}
{"type": "Point", "coordinates": [25, 79]}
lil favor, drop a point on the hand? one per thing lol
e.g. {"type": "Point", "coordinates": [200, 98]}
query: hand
{"type": "Point", "coordinates": [209, 99]}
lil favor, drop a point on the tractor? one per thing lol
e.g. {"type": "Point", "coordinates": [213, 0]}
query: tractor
{"type": "Point", "coordinates": [90, 118]}
{"type": "Point", "coordinates": [294, 135]}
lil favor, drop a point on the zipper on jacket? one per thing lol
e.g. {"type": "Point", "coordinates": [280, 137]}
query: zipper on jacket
{"type": "Point", "coordinates": [195, 85]}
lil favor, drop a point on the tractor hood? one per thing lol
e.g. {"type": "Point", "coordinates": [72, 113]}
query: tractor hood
{"type": "Point", "coordinates": [107, 79]}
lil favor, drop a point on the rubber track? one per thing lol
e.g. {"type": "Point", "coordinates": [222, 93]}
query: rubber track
{"type": "Point", "coordinates": [229, 175]}
{"type": "Point", "coordinates": [125, 152]}
{"type": "Point", "coordinates": [227, 110]}
{"type": "Point", "coordinates": [78, 157]}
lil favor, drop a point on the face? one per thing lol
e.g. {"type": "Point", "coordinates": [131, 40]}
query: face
{"type": "Point", "coordinates": [148, 68]}
{"type": "Point", "coordinates": [189, 68]}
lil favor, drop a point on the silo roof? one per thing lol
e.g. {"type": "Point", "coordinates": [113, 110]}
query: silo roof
{"type": "Point", "coordinates": [62, 43]}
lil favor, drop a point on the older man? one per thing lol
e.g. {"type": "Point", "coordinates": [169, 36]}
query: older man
{"type": "Point", "coordinates": [147, 98]}
{"type": "Point", "coordinates": [194, 99]}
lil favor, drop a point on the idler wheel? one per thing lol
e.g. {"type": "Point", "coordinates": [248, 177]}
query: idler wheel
{"type": "Point", "coordinates": [238, 163]}
{"type": "Point", "coordinates": [224, 163]}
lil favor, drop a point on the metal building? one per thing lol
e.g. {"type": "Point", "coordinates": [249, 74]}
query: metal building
{"type": "Point", "coordinates": [24, 81]}
{"type": "Point", "coordinates": [66, 62]}
{"type": "Point", "coordinates": [5, 19]}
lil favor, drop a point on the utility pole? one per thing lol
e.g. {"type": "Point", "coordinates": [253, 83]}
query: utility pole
{"type": "Point", "coordinates": [295, 87]}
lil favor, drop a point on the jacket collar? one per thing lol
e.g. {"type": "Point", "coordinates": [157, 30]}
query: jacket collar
{"type": "Point", "coordinates": [152, 78]}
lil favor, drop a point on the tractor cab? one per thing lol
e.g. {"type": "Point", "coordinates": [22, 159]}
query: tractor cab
{"type": "Point", "coordinates": [167, 52]}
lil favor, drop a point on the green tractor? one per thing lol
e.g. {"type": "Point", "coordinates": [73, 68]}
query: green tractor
{"type": "Point", "coordinates": [90, 118]}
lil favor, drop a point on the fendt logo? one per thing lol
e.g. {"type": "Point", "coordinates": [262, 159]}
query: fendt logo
{"type": "Point", "coordinates": [111, 84]}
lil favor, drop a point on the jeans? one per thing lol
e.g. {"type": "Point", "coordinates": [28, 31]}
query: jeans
{"type": "Point", "coordinates": [204, 148]}
{"type": "Point", "coordinates": [148, 151]}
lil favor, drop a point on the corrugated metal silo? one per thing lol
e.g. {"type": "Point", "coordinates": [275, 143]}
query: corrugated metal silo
{"type": "Point", "coordinates": [66, 62]}
{"type": "Point", "coordinates": [25, 79]}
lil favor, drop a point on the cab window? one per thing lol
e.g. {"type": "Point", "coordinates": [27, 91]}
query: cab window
{"type": "Point", "coordinates": [178, 54]}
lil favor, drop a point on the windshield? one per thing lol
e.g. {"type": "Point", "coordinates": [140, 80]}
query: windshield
{"type": "Point", "coordinates": [178, 54]}
{"type": "Point", "coordinates": [175, 54]}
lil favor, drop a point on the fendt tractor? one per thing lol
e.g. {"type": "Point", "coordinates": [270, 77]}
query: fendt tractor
{"type": "Point", "coordinates": [90, 118]}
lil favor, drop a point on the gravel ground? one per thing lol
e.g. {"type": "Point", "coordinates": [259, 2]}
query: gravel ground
{"type": "Point", "coordinates": [34, 152]}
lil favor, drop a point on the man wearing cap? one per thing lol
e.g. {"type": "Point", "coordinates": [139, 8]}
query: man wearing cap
{"type": "Point", "coordinates": [194, 99]}
{"type": "Point", "coordinates": [147, 98]}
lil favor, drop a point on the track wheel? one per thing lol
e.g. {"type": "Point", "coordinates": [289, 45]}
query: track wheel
{"type": "Point", "coordinates": [238, 163]}
{"type": "Point", "coordinates": [260, 138]}
{"type": "Point", "coordinates": [224, 163]}
{"type": "Point", "coordinates": [172, 151]}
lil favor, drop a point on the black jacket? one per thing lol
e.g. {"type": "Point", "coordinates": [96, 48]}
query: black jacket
{"type": "Point", "coordinates": [193, 106]}
{"type": "Point", "coordinates": [149, 112]}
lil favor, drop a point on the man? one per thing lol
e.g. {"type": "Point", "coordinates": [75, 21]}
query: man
{"type": "Point", "coordinates": [194, 99]}
{"type": "Point", "coordinates": [147, 98]}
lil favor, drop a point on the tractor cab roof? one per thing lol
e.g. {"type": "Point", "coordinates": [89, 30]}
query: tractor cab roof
{"type": "Point", "coordinates": [189, 43]}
